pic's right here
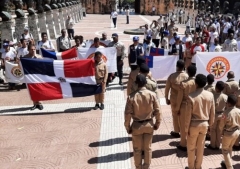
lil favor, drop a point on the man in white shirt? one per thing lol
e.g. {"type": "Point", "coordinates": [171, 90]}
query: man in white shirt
{"type": "Point", "coordinates": [153, 10]}
{"type": "Point", "coordinates": [230, 44]}
{"type": "Point", "coordinates": [226, 26]}
{"type": "Point", "coordinates": [63, 42]}
{"type": "Point", "coordinates": [45, 44]}
{"type": "Point", "coordinates": [213, 35]}
{"type": "Point", "coordinates": [27, 36]}
{"type": "Point", "coordinates": [127, 14]}
{"type": "Point", "coordinates": [96, 43]}
{"type": "Point", "coordinates": [147, 31]}
{"type": "Point", "coordinates": [215, 47]}
{"type": "Point", "coordinates": [187, 38]}
{"type": "Point", "coordinates": [180, 16]}
{"type": "Point", "coordinates": [148, 45]}
{"type": "Point", "coordinates": [113, 16]}
{"type": "Point", "coordinates": [23, 50]}
{"type": "Point", "coordinates": [69, 26]}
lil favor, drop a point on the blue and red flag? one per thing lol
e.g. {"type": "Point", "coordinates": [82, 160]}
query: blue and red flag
{"type": "Point", "coordinates": [68, 54]}
{"type": "Point", "coordinates": [157, 52]}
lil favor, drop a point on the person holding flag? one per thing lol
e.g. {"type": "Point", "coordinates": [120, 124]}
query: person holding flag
{"type": "Point", "coordinates": [147, 45]}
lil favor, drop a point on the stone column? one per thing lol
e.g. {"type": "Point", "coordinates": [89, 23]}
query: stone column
{"type": "Point", "coordinates": [8, 30]}
{"type": "Point", "coordinates": [77, 12]}
{"type": "Point", "coordinates": [43, 23]}
{"type": "Point", "coordinates": [62, 19]}
{"type": "Point", "coordinates": [51, 25]}
{"type": "Point", "coordinates": [57, 22]}
{"type": "Point", "coordinates": [34, 27]}
{"type": "Point", "coordinates": [21, 23]}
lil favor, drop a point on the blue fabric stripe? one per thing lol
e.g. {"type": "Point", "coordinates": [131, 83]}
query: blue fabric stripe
{"type": "Point", "coordinates": [81, 90]}
{"type": "Point", "coordinates": [38, 66]}
{"type": "Point", "coordinates": [49, 54]}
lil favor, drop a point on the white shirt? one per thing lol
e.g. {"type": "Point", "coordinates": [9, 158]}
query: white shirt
{"type": "Point", "coordinates": [188, 23]}
{"type": "Point", "coordinates": [22, 52]}
{"type": "Point", "coordinates": [47, 45]}
{"type": "Point", "coordinates": [147, 32]}
{"type": "Point", "coordinates": [172, 41]}
{"type": "Point", "coordinates": [186, 39]}
{"type": "Point", "coordinates": [114, 14]}
{"type": "Point", "coordinates": [160, 21]}
{"type": "Point", "coordinates": [213, 35]}
{"type": "Point", "coordinates": [10, 54]}
{"type": "Point", "coordinates": [238, 45]}
{"type": "Point", "coordinates": [27, 36]}
{"type": "Point", "coordinates": [214, 48]}
{"type": "Point", "coordinates": [155, 32]}
{"type": "Point", "coordinates": [127, 12]}
{"type": "Point", "coordinates": [11, 48]}
{"type": "Point", "coordinates": [226, 26]}
{"type": "Point", "coordinates": [153, 8]}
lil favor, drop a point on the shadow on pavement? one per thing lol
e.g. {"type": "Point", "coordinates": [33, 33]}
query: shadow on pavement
{"type": "Point", "coordinates": [110, 142]}
{"type": "Point", "coordinates": [111, 157]}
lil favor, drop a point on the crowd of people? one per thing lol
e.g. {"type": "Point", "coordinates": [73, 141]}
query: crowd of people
{"type": "Point", "coordinates": [199, 107]}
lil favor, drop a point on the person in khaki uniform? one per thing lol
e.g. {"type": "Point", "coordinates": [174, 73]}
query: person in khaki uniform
{"type": "Point", "coordinates": [237, 143]}
{"type": "Point", "coordinates": [210, 86]}
{"type": "Point", "coordinates": [173, 83]}
{"type": "Point", "coordinates": [188, 86]}
{"type": "Point", "coordinates": [142, 106]}
{"type": "Point", "coordinates": [220, 104]}
{"type": "Point", "coordinates": [200, 113]}
{"type": "Point", "coordinates": [101, 74]}
{"type": "Point", "coordinates": [133, 74]}
{"type": "Point", "coordinates": [229, 125]}
{"type": "Point", "coordinates": [231, 86]}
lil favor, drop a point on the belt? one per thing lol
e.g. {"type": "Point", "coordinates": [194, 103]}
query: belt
{"type": "Point", "coordinates": [234, 129]}
{"type": "Point", "coordinates": [142, 121]}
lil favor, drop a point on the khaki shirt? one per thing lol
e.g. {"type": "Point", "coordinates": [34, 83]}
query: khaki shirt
{"type": "Point", "coordinates": [231, 86]}
{"type": "Point", "coordinates": [220, 102]}
{"type": "Point", "coordinates": [101, 72]}
{"type": "Point", "coordinates": [210, 88]}
{"type": "Point", "coordinates": [238, 98]}
{"type": "Point", "coordinates": [173, 83]}
{"type": "Point", "coordinates": [188, 86]}
{"type": "Point", "coordinates": [142, 105]}
{"type": "Point", "coordinates": [200, 109]}
{"type": "Point", "coordinates": [230, 120]}
{"type": "Point", "coordinates": [120, 48]}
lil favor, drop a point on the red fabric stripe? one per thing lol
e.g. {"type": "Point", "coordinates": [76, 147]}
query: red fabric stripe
{"type": "Point", "coordinates": [79, 68]}
{"type": "Point", "coordinates": [69, 54]}
{"type": "Point", "coordinates": [45, 91]}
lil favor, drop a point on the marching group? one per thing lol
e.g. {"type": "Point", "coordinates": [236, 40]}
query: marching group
{"type": "Point", "coordinates": [198, 107]}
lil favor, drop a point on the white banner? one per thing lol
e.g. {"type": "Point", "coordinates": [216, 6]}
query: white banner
{"type": "Point", "coordinates": [218, 64]}
{"type": "Point", "coordinates": [163, 66]}
{"type": "Point", "coordinates": [13, 73]}
{"type": "Point", "coordinates": [109, 56]}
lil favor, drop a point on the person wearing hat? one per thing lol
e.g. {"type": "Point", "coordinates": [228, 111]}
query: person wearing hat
{"type": "Point", "coordinates": [164, 42]}
{"type": "Point", "coordinates": [141, 107]}
{"type": "Point", "coordinates": [96, 43]}
{"type": "Point", "coordinates": [147, 45]}
{"type": "Point", "coordinates": [134, 51]}
{"type": "Point", "coordinates": [63, 42]}
{"type": "Point", "coordinates": [173, 85]}
{"type": "Point", "coordinates": [177, 48]}
{"type": "Point", "coordinates": [120, 55]}
{"type": "Point", "coordinates": [28, 36]}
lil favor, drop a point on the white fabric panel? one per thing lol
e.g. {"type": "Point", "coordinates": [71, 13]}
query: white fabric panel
{"type": "Point", "coordinates": [58, 68]}
{"type": "Point", "coordinates": [59, 55]}
{"type": "Point", "coordinates": [66, 90]}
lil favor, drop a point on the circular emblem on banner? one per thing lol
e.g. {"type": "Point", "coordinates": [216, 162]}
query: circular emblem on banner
{"type": "Point", "coordinates": [218, 66]}
{"type": "Point", "coordinates": [17, 72]}
{"type": "Point", "coordinates": [100, 44]}
{"type": "Point", "coordinates": [91, 56]}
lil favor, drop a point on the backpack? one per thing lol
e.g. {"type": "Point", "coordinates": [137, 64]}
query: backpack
{"type": "Point", "coordinates": [58, 39]}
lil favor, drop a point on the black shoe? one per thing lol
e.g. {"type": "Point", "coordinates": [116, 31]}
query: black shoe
{"type": "Point", "coordinates": [102, 106]}
{"type": "Point", "coordinates": [174, 134]}
{"type": "Point", "coordinates": [96, 106]}
{"type": "Point", "coordinates": [34, 107]}
{"type": "Point", "coordinates": [120, 83]}
{"type": "Point", "coordinates": [181, 148]}
{"type": "Point", "coordinates": [40, 106]}
{"type": "Point", "coordinates": [223, 165]}
{"type": "Point", "coordinates": [236, 147]}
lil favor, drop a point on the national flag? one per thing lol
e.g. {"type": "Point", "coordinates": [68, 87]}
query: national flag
{"type": "Point", "coordinates": [109, 56]}
{"type": "Point", "coordinates": [68, 54]}
{"type": "Point", "coordinates": [13, 73]}
{"type": "Point", "coordinates": [59, 79]}
{"type": "Point", "coordinates": [157, 52]}
{"type": "Point", "coordinates": [218, 64]}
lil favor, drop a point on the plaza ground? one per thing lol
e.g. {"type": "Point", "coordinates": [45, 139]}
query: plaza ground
{"type": "Point", "coordinates": [68, 134]}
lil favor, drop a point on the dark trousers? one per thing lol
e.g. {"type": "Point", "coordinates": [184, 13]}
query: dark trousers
{"type": "Point", "coordinates": [70, 33]}
{"type": "Point", "coordinates": [127, 19]}
{"type": "Point", "coordinates": [114, 21]}
{"type": "Point", "coordinates": [156, 42]}
{"type": "Point", "coordinates": [119, 68]}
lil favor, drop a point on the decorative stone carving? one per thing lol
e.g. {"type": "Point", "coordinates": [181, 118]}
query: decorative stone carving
{"type": "Point", "coordinates": [4, 10]}
{"type": "Point", "coordinates": [34, 28]}
{"type": "Point", "coordinates": [54, 4]}
{"type": "Point", "coordinates": [21, 23]}
{"type": "Point", "coordinates": [57, 22]}
{"type": "Point", "coordinates": [59, 3]}
{"type": "Point", "coordinates": [39, 6]}
{"type": "Point", "coordinates": [30, 9]}
{"type": "Point", "coordinates": [51, 25]}
{"type": "Point", "coordinates": [47, 5]}
{"type": "Point", "coordinates": [62, 18]}
{"type": "Point", "coordinates": [18, 8]}
{"type": "Point", "coordinates": [8, 30]}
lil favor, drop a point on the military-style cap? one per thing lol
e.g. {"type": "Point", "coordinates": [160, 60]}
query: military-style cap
{"type": "Point", "coordinates": [114, 35]}
{"type": "Point", "coordinates": [149, 37]}
{"type": "Point", "coordinates": [135, 38]}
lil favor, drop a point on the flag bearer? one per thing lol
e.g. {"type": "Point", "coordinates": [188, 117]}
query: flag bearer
{"type": "Point", "coordinates": [101, 75]}
{"type": "Point", "coordinates": [229, 125]}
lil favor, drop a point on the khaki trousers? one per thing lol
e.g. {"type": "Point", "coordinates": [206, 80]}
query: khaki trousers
{"type": "Point", "coordinates": [195, 146]}
{"type": "Point", "coordinates": [175, 116]}
{"type": "Point", "coordinates": [142, 134]}
{"type": "Point", "coordinates": [228, 141]}
{"type": "Point", "coordinates": [183, 140]}
{"type": "Point", "coordinates": [99, 98]}
{"type": "Point", "coordinates": [216, 134]}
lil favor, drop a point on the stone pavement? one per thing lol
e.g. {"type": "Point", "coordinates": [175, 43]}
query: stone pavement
{"type": "Point", "coordinates": [68, 134]}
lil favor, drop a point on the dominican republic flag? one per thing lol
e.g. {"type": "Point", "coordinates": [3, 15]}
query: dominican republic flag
{"type": "Point", "coordinates": [59, 79]}
{"type": "Point", "coordinates": [160, 63]}
{"type": "Point", "coordinates": [68, 54]}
